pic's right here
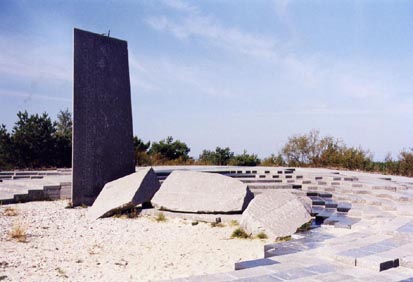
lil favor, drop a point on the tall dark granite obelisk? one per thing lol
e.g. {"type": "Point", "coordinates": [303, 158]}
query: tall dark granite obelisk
{"type": "Point", "coordinates": [102, 115]}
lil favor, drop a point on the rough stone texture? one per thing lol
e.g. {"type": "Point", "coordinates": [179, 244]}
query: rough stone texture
{"type": "Point", "coordinates": [200, 192]}
{"type": "Point", "coordinates": [102, 115]}
{"type": "Point", "coordinates": [125, 192]}
{"type": "Point", "coordinates": [276, 213]}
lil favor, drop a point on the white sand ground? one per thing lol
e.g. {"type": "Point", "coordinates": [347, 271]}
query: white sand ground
{"type": "Point", "coordinates": [64, 245]}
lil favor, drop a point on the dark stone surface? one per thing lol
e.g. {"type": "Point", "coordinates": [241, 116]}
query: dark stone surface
{"type": "Point", "coordinates": [102, 115]}
{"type": "Point", "coordinates": [386, 265]}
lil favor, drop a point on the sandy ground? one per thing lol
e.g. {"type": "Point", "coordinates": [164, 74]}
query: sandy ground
{"type": "Point", "coordinates": [64, 245]}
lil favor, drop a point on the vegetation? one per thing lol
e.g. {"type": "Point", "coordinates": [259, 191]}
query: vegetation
{"type": "Point", "coordinates": [61, 272]}
{"type": "Point", "coordinates": [245, 160]}
{"type": "Point", "coordinates": [274, 160]}
{"type": "Point", "coordinates": [9, 211]}
{"type": "Point", "coordinates": [217, 224]}
{"type": "Point", "coordinates": [18, 232]}
{"type": "Point", "coordinates": [315, 151]}
{"type": "Point", "coordinates": [311, 150]}
{"type": "Point", "coordinates": [240, 233]}
{"type": "Point", "coordinates": [221, 156]}
{"type": "Point", "coordinates": [234, 222]}
{"type": "Point", "coordinates": [36, 141]}
{"type": "Point", "coordinates": [141, 151]}
{"type": "Point", "coordinates": [305, 227]}
{"type": "Point", "coordinates": [160, 217]}
{"type": "Point", "coordinates": [283, 239]}
{"type": "Point", "coordinates": [168, 150]}
{"type": "Point", "coordinates": [262, 235]}
{"type": "Point", "coordinates": [128, 213]}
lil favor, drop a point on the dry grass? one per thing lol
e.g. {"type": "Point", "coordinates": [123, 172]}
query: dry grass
{"type": "Point", "coordinates": [19, 232]}
{"type": "Point", "coordinates": [61, 272]}
{"type": "Point", "coordinates": [95, 249]}
{"type": "Point", "coordinates": [217, 224]}
{"type": "Point", "coordinates": [283, 239]}
{"type": "Point", "coordinates": [10, 211]}
{"type": "Point", "coordinates": [161, 217]}
{"type": "Point", "coordinates": [234, 223]}
{"type": "Point", "coordinates": [133, 213]}
{"type": "Point", "coordinates": [128, 213]}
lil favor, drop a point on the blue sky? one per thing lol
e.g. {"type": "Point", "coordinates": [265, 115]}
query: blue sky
{"type": "Point", "coordinates": [243, 74]}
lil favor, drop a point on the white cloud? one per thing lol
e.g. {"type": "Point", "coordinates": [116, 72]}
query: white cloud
{"type": "Point", "coordinates": [310, 72]}
{"type": "Point", "coordinates": [164, 76]}
{"type": "Point", "coordinates": [23, 58]}
{"type": "Point", "coordinates": [29, 96]}
{"type": "Point", "coordinates": [181, 6]}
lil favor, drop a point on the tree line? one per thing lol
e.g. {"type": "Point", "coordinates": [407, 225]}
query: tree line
{"type": "Point", "coordinates": [38, 142]}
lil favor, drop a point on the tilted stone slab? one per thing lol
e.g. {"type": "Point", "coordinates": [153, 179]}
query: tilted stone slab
{"type": "Point", "coordinates": [277, 214]}
{"type": "Point", "coordinates": [201, 192]}
{"type": "Point", "coordinates": [125, 192]}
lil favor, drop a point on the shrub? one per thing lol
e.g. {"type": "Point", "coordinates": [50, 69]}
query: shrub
{"type": "Point", "coordinates": [221, 156]}
{"type": "Point", "coordinates": [160, 217]}
{"type": "Point", "coordinates": [18, 232]}
{"type": "Point", "coordinates": [262, 235]}
{"type": "Point", "coordinates": [240, 233]}
{"type": "Point", "coordinates": [245, 160]}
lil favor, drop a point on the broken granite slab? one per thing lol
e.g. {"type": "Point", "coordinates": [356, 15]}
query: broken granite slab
{"type": "Point", "coordinates": [201, 192]}
{"type": "Point", "coordinates": [276, 213]}
{"type": "Point", "coordinates": [125, 193]}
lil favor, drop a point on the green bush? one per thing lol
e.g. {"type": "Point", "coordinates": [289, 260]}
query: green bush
{"type": "Point", "coordinates": [240, 233]}
{"type": "Point", "coordinates": [262, 235]}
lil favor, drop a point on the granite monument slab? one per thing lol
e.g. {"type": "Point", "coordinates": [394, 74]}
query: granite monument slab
{"type": "Point", "coordinates": [102, 115]}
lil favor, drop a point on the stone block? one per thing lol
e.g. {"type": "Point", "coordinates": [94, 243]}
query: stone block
{"type": "Point", "coordinates": [377, 263]}
{"type": "Point", "coordinates": [200, 192]}
{"type": "Point", "coordinates": [276, 213]}
{"type": "Point", "coordinates": [126, 192]}
{"type": "Point", "coordinates": [254, 263]}
{"type": "Point", "coordinates": [102, 115]}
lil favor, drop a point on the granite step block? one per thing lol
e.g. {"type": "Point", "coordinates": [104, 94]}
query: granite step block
{"type": "Point", "coordinates": [317, 201]}
{"type": "Point", "coordinates": [293, 274]}
{"type": "Point", "coordinates": [341, 221]}
{"type": "Point", "coordinates": [310, 241]}
{"type": "Point", "coordinates": [315, 210]}
{"type": "Point", "coordinates": [263, 278]}
{"type": "Point", "coordinates": [254, 263]}
{"type": "Point", "coordinates": [325, 195]}
{"type": "Point", "coordinates": [343, 206]}
{"type": "Point", "coordinates": [219, 277]}
{"type": "Point", "coordinates": [330, 204]}
{"type": "Point", "coordinates": [324, 215]}
{"type": "Point", "coordinates": [377, 263]}
{"type": "Point", "coordinates": [21, 198]}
